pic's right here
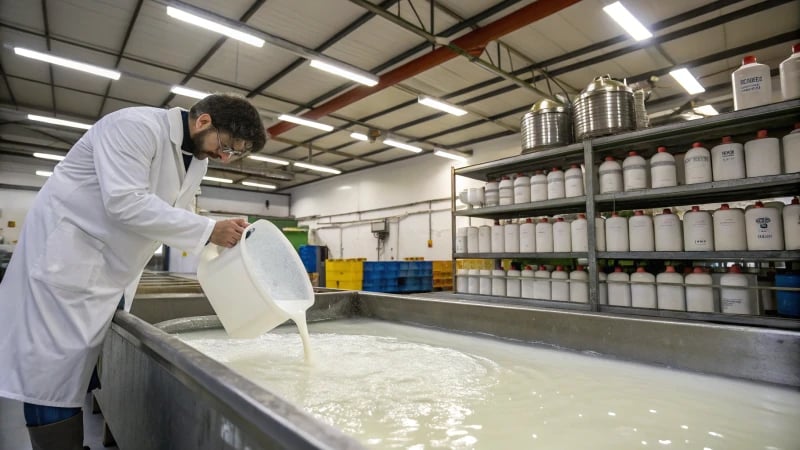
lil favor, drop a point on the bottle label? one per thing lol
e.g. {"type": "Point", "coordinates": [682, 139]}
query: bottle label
{"type": "Point", "coordinates": [698, 158]}
{"type": "Point", "coordinates": [610, 171]}
{"type": "Point", "coordinates": [635, 167]}
{"type": "Point", "coordinates": [749, 84]}
{"type": "Point", "coordinates": [662, 163]}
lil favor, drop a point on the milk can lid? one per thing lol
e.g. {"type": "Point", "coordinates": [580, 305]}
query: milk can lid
{"type": "Point", "coordinates": [547, 105]}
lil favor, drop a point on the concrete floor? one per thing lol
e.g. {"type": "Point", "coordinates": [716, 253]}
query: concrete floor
{"type": "Point", "coordinates": [14, 436]}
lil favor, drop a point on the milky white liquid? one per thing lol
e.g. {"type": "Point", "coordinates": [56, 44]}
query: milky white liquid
{"type": "Point", "coordinates": [398, 386]}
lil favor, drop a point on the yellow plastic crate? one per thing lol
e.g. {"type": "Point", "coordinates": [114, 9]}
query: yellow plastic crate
{"type": "Point", "coordinates": [350, 285]}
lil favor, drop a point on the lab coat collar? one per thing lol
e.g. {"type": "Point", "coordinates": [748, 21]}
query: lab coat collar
{"type": "Point", "coordinates": [175, 126]}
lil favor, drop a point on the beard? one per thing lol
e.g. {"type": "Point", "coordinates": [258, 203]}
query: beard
{"type": "Point", "coordinates": [198, 140]}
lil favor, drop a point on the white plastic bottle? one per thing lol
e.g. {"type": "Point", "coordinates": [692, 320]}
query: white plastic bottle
{"type": "Point", "coordinates": [526, 285]}
{"type": "Point", "coordinates": [484, 239]}
{"type": "Point", "coordinates": [729, 229]}
{"type": "Point", "coordinates": [522, 189]}
{"type": "Point", "coordinates": [559, 290]}
{"type": "Point", "coordinates": [539, 186]}
{"type": "Point", "coordinates": [663, 171]}
{"type": "Point", "coordinates": [762, 156]}
{"type": "Point", "coordinates": [511, 237]}
{"type": "Point", "coordinates": [602, 288]}
{"type": "Point", "coordinates": [562, 239]}
{"type": "Point", "coordinates": [640, 232]}
{"type": "Point", "coordinates": [727, 160]}
{"type": "Point", "coordinates": [486, 282]}
{"type": "Point", "coordinates": [734, 296]}
{"type": "Point", "coordinates": [555, 184]}
{"type": "Point", "coordinates": [791, 225]}
{"type": "Point", "coordinates": [668, 232]}
{"type": "Point", "coordinates": [492, 193]}
{"type": "Point", "coordinates": [573, 181]}
{"type": "Point", "coordinates": [499, 282]}
{"type": "Point", "coordinates": [498, 238]}
{"type": "Point", "coordinates": [752, 84]}
{"type": "Point", "coordinates": [527, 237]}
{"type": "Point", "coordinates": [610, 176]}
{"type": "Point", "coordinates": [697, 164]}
{"type": "Point", "coordinates": [617, 234]}
{"type": "Point", "coordinates": [790, 74]}
{"type": "Point", "coordinates": [764, 228]}
{"type": "Point", "coordinates": [513, 285]}
{"type": "Point", "coordinates": [643, 295]}
{"type": "Point", "coordinates": [541, 284]}
{"type": "Point", "coordinates": [506, 189]}
{"type": "Point", "coordinates": [544, 236]}
{"type": "Point", "coordinates": [670, 290]}
{"type": "Point", "coordinates": [600, 233]}
{"type": "Point", "coordinates": [579, 286]}
{"type": "Point", "coordinates": [462, 281]}
{"type": "Point", "coordinates": [472, 240]}
{"type": "Point", "coordinates": [634, 172]}
{"type": "Point", "coordinates": [699, 293]}
{"type": "Point", "coordinates": [579, 234]}
{"type": "Point", "coordinates": [791, 150]}
{"type": "Point", "coordinates": [473, 281]}
{"type": "Point", "coordinates": [619, 291]}
{"type": "Point", "coordinates": [698, 231]}
{"type": "Point", "coordinates": [461, 240]}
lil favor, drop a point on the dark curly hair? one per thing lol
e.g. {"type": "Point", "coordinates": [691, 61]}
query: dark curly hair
{"type": "Point", "coordinates": [234, 114]}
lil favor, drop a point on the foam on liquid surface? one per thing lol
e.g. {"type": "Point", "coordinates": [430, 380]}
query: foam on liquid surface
{"type": "Point", "coordinates": [397, 386]}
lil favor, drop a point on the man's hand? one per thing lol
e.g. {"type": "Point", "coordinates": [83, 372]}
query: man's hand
{"type": "Point", "coordinates": [228, 233]}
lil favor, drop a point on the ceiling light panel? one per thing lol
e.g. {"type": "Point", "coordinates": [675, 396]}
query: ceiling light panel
{"type": "Point", "coordinates": [186, 92]}
{"type": "Point", "coordinates": [351, 73]}
{"type": "Point", "coordinates": [688, 81]}
{"type": "Point", "coordinates": [49, 156]}
{"type": "Point", "coordinates": [218, 180]}
{"type": "Point", "coordinates": [402, 145]}
{"type": "Point", "coordinates": [440, 105]}
{"type": "Point", "coordinates": [627, 21]}
{"type": "Point", "coordinates": [68, 63]}
{"type": "Point", "coordinates": [214, 26]}
{"type": "Point", "coordinates": [259, 185]}
{"type": "Point", "coordinates": [61, 122]}
{"type": "Point", "coordinates": [305, 122]}
{"type": "Point", "coordinates": [317, 168]}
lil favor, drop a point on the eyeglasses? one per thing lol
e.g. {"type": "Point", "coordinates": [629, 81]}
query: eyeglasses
{"type": "Point", "coordinates": [228, 150]}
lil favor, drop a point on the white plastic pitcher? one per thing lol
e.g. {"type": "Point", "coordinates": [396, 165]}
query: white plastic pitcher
{"type": "Point", "coordinates": [256, 285]}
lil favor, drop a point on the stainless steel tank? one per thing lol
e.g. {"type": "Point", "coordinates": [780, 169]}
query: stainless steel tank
{"type": "Point", "coordinates": [546, 125]}
{"type": "Point", "coordinates": [605, 107]}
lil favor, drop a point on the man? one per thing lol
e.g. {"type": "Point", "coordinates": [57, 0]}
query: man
{"type": "Point", "coordinates": [123, 189]}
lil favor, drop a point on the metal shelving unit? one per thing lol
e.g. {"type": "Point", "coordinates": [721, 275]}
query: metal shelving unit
{"type": "Point", "coordinates": [740, 124]}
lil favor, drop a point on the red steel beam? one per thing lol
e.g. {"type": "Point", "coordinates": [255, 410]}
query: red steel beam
{"type": "Point", "coordinates": [472, 41]}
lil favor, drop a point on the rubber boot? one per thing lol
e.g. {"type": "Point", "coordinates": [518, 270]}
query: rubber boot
{"type": "Point", "coordinates": [64, 435]}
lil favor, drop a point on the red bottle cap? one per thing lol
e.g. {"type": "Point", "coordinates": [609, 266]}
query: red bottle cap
{"type": "Point", "coordinates": [724, 206]}
{"type": "Point", "coordinates": [749, 59]}
{"type": "Point", "coordinates": [666, 211]}
{"type": "Point", "coordinates": [559, 269]}
{"type": "Point", "coordinates": [632, 153]}
{"type": "Point", "coordinates": [614, 214]}
{"type": "Point", "coordinates": [735, 269]}
{"type": "Point", "coordinates": [795, 201]}
{"type": "Point", "coordinates": [698, 270]}
{"type": "Point", "coordinates": [544, 220]}
{"type": "Point", "coordinates": [618, 269]}
{"type": "Point", "coordinates": [695, 208]}
{"type": "Point", "coordinates": [555, 169]}
{"type": "Point", "coordinates": [638, 212]}
{"type": "Point", "coordinates": [574, 166]}
{"type": "Point", "coordinates": [505, 178]}
{"type": "Point", "coordinates": [528, 220]}
{"type": "Point", "coordinates": [662, 149]}
{"type": "Point", "coordinates": [528, 268]}
{"type": "Point", "coordinates": [521, 175]}
{"type": "Point", "coordinates": [796, 48]}
{"type": "Point", "coordinates": [560, 219]}
{"type": "Point", "coordinates": [580, 268]}
{"type": "Point", "coordinates": [759, 205]}
{"type": "Point", "coordinates": [727, 140]}
{"type": "Point", "coordinates": [542, 268]}
{"type": "Point", "coordinates": [640, 269]}
{"type": "Point", "coordinates": [583, 216]}
{"type": "Point", "coordinates": [610, 158]}
{"type": "Point", "coordinates": [670, 269]}
{"type": "Point", "coordinates": [761, 134]}
{"type": "Point", "coordinates": [697, 144]}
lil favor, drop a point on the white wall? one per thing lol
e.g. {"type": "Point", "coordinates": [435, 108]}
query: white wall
{"type": "Point", "coordinates": [14, 205]}
{"type": "Point", "coordinates": [339, 210]}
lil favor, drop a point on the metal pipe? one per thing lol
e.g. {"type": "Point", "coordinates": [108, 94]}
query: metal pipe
{"type": "Point", "coordinates": [475, 39]}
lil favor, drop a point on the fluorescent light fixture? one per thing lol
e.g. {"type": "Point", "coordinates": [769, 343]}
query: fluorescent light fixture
{"type": "Point", "coordinates": [404, 146]}
{"type": "Point", "coordinates": [49, 156]}
{"type": "Point", "coordinates": [269, 160]}
{"type": "Point", "coordinates": [627, 21]}
{"type": "Point", "coordinates": [359, 76]}
{"type": "Point", "coordinates": [218, 180]}
{"type": "Point", "coordinates": [186, 92]}
{"type": "Point", "coordinates": [440, 105]}
{"type": "Point", "coordinates": [54, 121]}
{"type": "Point", "coordinates": [83, 67]}
{"type": "Point", "coordinates": [44, 173]}
{"type": "Point", "coordinates": [706, 110]}
{"type": "Point", "coordinates": [259, 185]}
{"type": "Point", "coordinates": [215, 27]}
{"type": "Point", "coordinates": [317, 168]}
{"type": "Point", "coordinates": [688, 81]}
{"type": "Point", "coordinates": [359, 136]}
{"type": "Point", "coordinates": [445, 154]}
{"type": "Point", "coordinates": [306, 122]}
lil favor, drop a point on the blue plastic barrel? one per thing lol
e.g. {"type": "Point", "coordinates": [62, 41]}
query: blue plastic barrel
{"type": "Point", "coordinates": [788, 302]}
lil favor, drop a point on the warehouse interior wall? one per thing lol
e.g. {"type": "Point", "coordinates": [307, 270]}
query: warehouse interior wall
{"type": "Point", "coordinates": [412, 195]}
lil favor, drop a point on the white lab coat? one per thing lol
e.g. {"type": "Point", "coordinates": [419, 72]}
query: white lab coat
{"type": "Point", "coordinates": [121, 191]}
